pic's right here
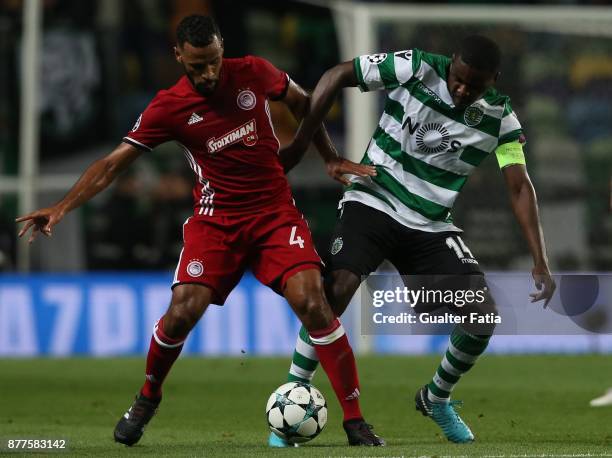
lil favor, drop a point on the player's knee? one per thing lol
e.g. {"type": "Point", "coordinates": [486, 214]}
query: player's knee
{"type": "Point", "coordinates": [493, 314]}
{"type": "Point", "coordinates": [179, 320]}
{"type": "Point", "coordinates": [491, 307]}
{"type": "Point", "coordinates": [488, 306]}
{"type": "Point", "coordinates": [340, 286]}
{"type": "Point", "coordinates": [483, 319]}
{"type": "Point", "coordinates": [304, 292]}
{"type": "Point", "coordinates": [309, 305]}
{"type": "Point", "coordinates": [312, 310]}
{"type": "Point", "coordinates": [184, 312]}
{"type": "Point", "coordinates": [339, 295]}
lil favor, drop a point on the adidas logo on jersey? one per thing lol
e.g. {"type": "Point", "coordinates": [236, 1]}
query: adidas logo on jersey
{"type": "Point", "coordinates": [194, 118]}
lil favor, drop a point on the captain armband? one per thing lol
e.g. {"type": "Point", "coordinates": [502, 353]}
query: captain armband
{"type": "Point", "coordinates": [509, 154]}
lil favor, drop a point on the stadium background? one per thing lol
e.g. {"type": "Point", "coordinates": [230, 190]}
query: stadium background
{"type": "Point", "coordinates": [102, 61]}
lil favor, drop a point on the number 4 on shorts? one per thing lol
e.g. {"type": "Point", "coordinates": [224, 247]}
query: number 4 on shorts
{"type": "Point", "coordinates": [293, 240]}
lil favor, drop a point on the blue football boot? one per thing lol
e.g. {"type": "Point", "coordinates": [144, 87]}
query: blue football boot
{"type": "Point", "coordinates": [445, 416]}
{"type": "Point", "coordinates": [279, 442]}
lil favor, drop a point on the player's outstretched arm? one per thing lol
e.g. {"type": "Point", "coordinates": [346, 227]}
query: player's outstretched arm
{"type": "Point", "coordinates": [299, 102]}
{"type": "Point", "coordinates": [525, 207]}
{"type": "Point", "coordinates": [322, 99]}
{"type": "Point", "coordinates": [95, 179]}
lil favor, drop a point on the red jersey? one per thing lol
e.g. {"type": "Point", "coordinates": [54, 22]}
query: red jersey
{"type": "Point", "coordinates": [228, 137]}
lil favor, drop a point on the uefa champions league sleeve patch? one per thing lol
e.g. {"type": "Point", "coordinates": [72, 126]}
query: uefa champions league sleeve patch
{"type": "Point", "coordinates": [377, 58]}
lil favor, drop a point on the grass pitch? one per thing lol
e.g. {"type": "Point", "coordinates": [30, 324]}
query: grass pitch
{"type": "Point", "coordinates": [516, 406]}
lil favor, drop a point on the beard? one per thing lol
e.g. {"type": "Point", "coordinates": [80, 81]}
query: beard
{"type": "Point", "coordinates": [203, 89]}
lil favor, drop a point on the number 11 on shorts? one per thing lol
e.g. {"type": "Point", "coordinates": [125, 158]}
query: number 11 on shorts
{"type": "Point", "coordinates": [293, 240]}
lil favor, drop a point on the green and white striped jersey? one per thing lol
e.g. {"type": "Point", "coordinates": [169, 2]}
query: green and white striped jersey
{"type": "Point", "coordinates": [424, 147]}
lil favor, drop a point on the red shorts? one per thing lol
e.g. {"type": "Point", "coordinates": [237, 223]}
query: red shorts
{"type": "Point", "coordinates": [218, 249]}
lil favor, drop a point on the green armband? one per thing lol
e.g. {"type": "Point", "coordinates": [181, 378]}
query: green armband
{"type": "Point", "coordinates": [510, 153]}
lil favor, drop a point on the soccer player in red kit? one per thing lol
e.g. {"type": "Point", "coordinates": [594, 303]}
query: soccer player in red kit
{"type": "Point", "coordinates": [244, 215]}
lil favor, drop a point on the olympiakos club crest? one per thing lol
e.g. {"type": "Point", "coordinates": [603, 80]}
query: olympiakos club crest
{"type": "Point", "coordinates": [337, 245]}
{"type": "Point", "coordinates": [246, 99]}
{"type": "Point", "coordinates": [195, 268]}
{"type": "Point", "coordinates": [473, 115]}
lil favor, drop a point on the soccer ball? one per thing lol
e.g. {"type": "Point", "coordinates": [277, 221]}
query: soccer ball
{"type": "Point", "coordinates": [296, 412]}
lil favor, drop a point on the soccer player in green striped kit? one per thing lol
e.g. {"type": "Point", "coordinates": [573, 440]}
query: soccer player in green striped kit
{"type": "Point", "coordinates": [441, 119]}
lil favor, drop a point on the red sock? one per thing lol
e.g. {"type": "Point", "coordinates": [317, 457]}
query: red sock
{"type": "Point", "coordinates": [336, 357]}
{"type": "Point", "coordinates": [163, 351]}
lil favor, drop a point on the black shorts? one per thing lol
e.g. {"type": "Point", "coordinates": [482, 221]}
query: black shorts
{"type": "Point", "coordinates": [364, 237]}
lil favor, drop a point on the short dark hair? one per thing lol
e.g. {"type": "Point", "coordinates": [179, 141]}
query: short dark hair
{"type": "Point", "coordinates": [480, 52]}
{"type": "Point", "coordinates": [197, 30]}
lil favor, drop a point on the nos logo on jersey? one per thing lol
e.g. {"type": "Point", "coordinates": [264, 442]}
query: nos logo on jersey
{"type": "Point", "coordinates": [432, 137]}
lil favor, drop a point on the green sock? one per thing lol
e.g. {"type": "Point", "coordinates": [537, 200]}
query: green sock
{"type": "Point", "coordinates": [305, 360]}
{"type": "Point", "coordinates": [462, 353]}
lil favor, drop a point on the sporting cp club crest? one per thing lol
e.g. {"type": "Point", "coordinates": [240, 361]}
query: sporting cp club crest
{"type": "Point", "coordinates": [246, 99]}
{"type": "Point", "coordinates": [337, 245]}
{"type": "Point", "coordinates": [473, 115]}
{"type": "Point", "coordinates": [195, 268]}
